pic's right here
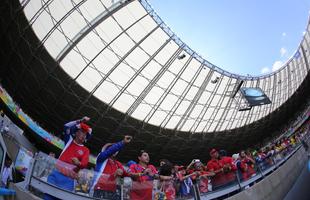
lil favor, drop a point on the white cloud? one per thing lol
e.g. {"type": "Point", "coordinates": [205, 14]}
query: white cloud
{"type": "Point", "coordinates": [277, 65]}
{"type": "Point", "coordinates": [304, 33]}
{"type": "Point", "coordinates": [265, 70]}
{"type": "Point", "coordinates": [283, 34]}
{"type": "Point", "coordinates": [283, 51]}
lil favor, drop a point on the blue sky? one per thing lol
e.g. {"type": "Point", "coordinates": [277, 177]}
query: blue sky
{"type": "Point", "coordinates": [241, 36]}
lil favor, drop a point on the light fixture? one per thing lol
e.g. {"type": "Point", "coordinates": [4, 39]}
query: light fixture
{"type": "Point", "coordinates": [245, 108]}
{"type": "Point", "coordinates": [181, 56]}
{"type": "Point", "coordinates": [215, 80]}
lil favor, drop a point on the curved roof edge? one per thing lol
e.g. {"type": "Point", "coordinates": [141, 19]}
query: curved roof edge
{"type": "Point", "coordinates": [147, 6]}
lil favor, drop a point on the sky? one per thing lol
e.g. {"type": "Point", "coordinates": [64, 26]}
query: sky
{"type": "Point", "coordinates": [252, 37]}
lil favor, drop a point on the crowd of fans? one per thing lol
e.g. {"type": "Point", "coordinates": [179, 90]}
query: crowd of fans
{"type": "Point", "coordinates": [142, 180]}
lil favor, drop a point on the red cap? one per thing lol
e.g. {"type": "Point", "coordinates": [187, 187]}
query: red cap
{"type": "Point", "coordinates": [213, 151]}
{"type": "Point", "coordinates": [85, 128]}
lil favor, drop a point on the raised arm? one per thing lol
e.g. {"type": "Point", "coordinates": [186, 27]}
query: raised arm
{"type": "Point", "coordinates": [110, 151]}
{"type": "Point", "coordinates": [70, 128]}
{"type": "Point", "coordinates": [113, 149]}
{"type": "Point", "coordinates": [190, 164]}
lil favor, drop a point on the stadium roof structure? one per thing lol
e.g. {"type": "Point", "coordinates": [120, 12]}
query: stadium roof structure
{"type": "Point", "coordinates": [120, 64]}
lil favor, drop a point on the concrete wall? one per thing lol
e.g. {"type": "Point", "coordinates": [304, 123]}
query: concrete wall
{"type": "Point", "coordinates": [277, 184]}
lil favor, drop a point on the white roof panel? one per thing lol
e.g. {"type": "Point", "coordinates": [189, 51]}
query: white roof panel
{"type": "Point", "coordinates": [132, 53]}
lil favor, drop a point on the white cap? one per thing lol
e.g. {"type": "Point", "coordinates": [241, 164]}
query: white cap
{"type": "Point", "coordinates": [235, 156]}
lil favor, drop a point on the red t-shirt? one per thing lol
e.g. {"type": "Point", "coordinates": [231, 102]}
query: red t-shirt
{"type": "Point", "coordinates": [219, 178]}
{"type": "Point", "coordinates": [142, 186]}
{"type": "Point", "coordinates": [226, 160]}
{"type": "Point", "coordinates": [204, 182]}
{"type": "Point", "coordinates": [73, 150]}
{"type": "Point", "coordinates": [214, 165]}
{"type": "Point", "coordinates": [246, 168]}
{"type": "Point", "coordinates": [229, 175]}
{"type": "Point", "coordinates": [168, 187]}
{"type": "Point", "coordinates": [203, 185]}
{"type": "Point", "coordinates": [107, 180]}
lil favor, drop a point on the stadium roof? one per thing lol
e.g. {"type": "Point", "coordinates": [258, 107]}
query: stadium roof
{"type": "Point", "coordinates": [119, 63]}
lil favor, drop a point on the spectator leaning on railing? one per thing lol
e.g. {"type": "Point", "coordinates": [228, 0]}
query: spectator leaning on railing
{"type": "Point", "coordinates": [200, 174]}
{"type": "Point", "coordinates": [228, 167]}
{"type": "Point", "coordinates": [216, 166]}
{"type": "Point", "coordinates": [74, 156]}
{"type": "Point", "coordinates": [143, 175]}
{"type": "Point", "coordinates": [167, 186]}
{"type": "Point", "coordinates": [184, 182]}
{"type": "Point", "coordinates": [246, 165]}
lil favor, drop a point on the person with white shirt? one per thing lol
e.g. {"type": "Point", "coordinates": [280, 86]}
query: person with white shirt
{"type": "Point", "coordinates": [6, 176]}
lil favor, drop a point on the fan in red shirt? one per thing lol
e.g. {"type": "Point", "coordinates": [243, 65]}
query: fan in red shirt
{"type": "Point", "coordinates": [246, 165]}
{"type": "Point", "coordinates": [108, 169]}
{"type": "Point", "coordinates": [216, 165]}
{"type": "Point", "coordinates": [143, 175]}
{"type": "Point", "coordinates": [184, 182]}
{"type": "Point", "coordinates": [198, 172]}
{"type": "Point", "coordinates": [229, 168]}
{"type": "Point", "coordinates": [168, 186]}
{"type": "Point", "coordinates": [74, 156]}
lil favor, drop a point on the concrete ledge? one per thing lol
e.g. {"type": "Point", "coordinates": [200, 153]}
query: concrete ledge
{"type": "Point", "coordinates": [22, 194]}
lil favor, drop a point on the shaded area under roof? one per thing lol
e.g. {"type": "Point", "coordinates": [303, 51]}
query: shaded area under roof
{"type": "Point", "coordinates": [48, 94]}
